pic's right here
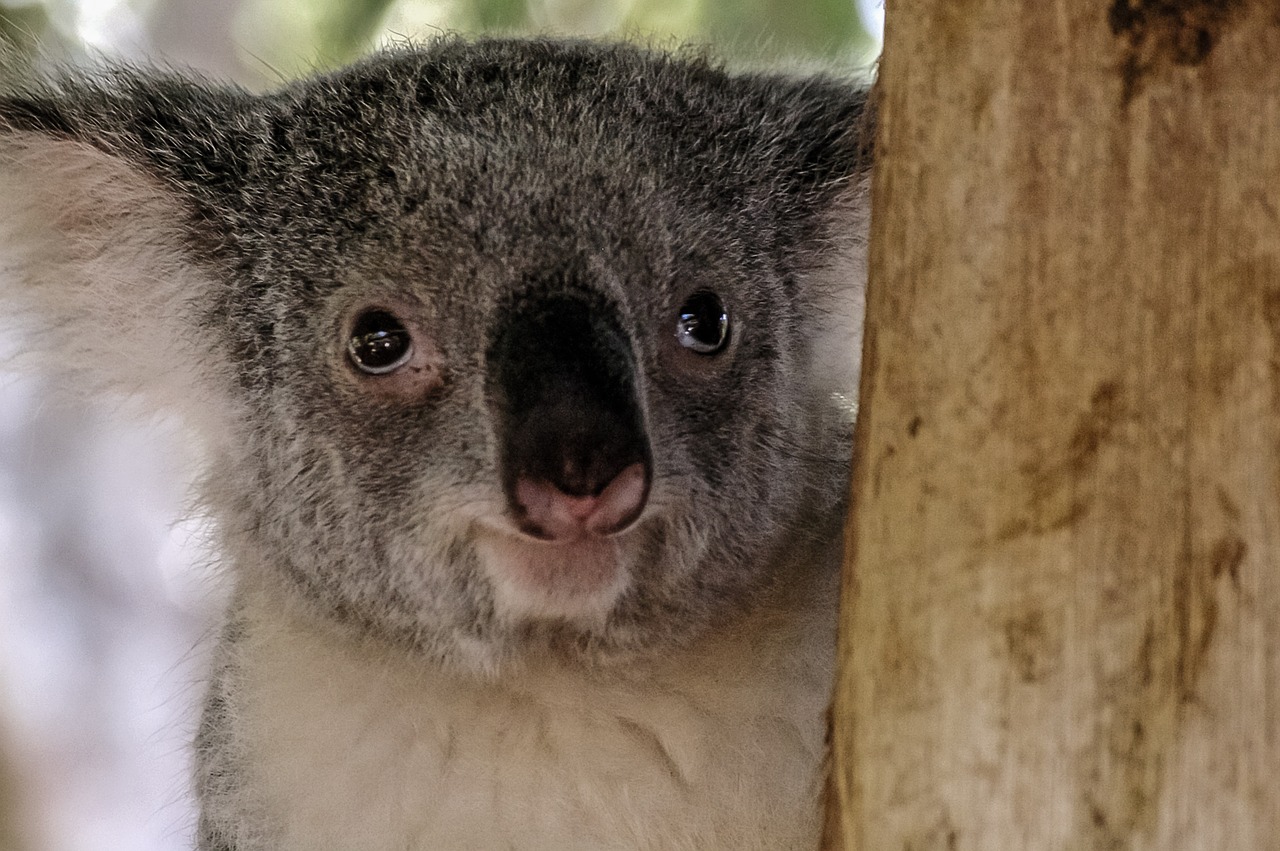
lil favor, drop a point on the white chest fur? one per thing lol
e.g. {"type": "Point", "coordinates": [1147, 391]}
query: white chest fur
{"type": "Point", "coordinates": [718, 747]}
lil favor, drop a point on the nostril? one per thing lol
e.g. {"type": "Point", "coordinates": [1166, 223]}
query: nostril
{"type": "Point", "coordinates": [549, 512]}
{"type": "Point", "coordinates": [621, 502]}
{"type": "Point", "coordinates": [546, 511]}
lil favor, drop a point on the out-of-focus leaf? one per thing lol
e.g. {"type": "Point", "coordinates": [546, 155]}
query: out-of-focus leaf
{"type": "Point", "coordinates": [496, 15]}
{"type": "Point", "coordinates": [300, 36]}
{"type": "Point", "coordinates": [782, 28]}
{"type": "Point", "coordinates": [348, 27]}
{"type": "Point", "coordinates": [667, 21]}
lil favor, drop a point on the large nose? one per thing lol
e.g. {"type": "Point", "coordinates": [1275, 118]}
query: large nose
{"type": "Point", "coordinates": [573, 451]}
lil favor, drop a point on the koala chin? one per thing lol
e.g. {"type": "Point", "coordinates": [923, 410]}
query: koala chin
{"type": "Point", "coordinates": [521, 372]}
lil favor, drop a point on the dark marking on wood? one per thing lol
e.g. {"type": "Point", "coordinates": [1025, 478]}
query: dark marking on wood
{"type": "Point", "coordinates": [1228, 555]}
{"type": "Point", "coordinates": [913, 427]}
{"type": "Point", "coordinates": [1146, 666]}
{"type": "Point", "coordinates": [1094, 427]}
{"type": "Point", "coordinates": [1102, 833]}
{"type": "Point", "coordinates": [1166, 32]}
{"type": "Point", "coordinates": [831, 803]}
{"type": "Point", "coordinates": [1196, 609]}
{"type": "Point", "coordinates": [1150, 700]}
{"type": "Point", "coordinates": [940, 836]}
{"type": "Point", "coordinates": [1271, 311]}
{"type": "Point", "coordinates": [1123, 797]}
{"type": "Point", "coordinates": [1230, 508]}
{"type": "Point", "coordinates": [1033, 646]}
{"type": "Point", "coordinates": [1060, 490]}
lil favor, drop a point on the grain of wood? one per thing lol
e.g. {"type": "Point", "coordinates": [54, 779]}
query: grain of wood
{"type": "Point", "coordinates": [1061, 626]}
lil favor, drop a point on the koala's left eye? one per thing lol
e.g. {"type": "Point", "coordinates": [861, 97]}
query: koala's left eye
{"type": "Point", "coordinates": [379, 343]}
{"type": "Point", "coordinates": [703, 324]}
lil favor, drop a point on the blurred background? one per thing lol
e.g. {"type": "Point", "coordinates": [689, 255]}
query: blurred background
{"type": "Point", "coordinates": [108, 595]}
{"type": "Point", "coordinates": [260, 42]}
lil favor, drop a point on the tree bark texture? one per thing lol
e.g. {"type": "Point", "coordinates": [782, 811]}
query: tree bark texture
{"type": "Point", "coordinates": [1061, 624]}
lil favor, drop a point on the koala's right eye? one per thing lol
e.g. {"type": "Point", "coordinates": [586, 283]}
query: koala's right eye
{"type": "Point", "coordinates": [379, 343]}
{"type": "Point", "coordinates": [703, 326]}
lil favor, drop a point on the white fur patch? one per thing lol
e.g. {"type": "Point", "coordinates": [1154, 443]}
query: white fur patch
{"type": "Point", "coordinates": [534, 580]}
{"type": "Point", "coordinates": [841, 285]}
{"type": "Point", "coordinates": [93, 251]}
{"type": "Point", "coordinates": [718, 748]}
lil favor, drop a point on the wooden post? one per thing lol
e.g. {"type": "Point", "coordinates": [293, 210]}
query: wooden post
{"type": "Point", "coordinates": [1061, 625]}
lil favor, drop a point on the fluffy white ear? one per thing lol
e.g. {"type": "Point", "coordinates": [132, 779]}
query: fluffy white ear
{"type": "Point", "coordinates": [839, 286]}
{"type": "Point", "coordinates": [96, 271]}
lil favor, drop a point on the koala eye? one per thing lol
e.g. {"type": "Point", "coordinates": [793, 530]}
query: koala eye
{"type": "Point", "coordinates": [379, 343]}
{"type": "Point", "coordinates": [703, 326]}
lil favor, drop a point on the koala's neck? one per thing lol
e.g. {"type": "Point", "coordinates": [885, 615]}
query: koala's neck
{"type": "Point", "coordinates": [326, 744]}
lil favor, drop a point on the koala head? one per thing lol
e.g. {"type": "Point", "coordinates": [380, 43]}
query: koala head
{"type": "Point", "coordinates": [492, 346]}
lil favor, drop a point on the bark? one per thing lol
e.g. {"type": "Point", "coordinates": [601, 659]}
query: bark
{"type": "Point", "coordinates": [1061, 625]}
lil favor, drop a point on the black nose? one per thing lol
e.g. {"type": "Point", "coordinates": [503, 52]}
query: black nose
{"type": "Point", "coordinates": [561, 381]}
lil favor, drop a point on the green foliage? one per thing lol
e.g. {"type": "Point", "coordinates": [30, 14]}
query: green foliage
{"type": "Point", "coordinates": [295, 36]}
{"type": "Point", "coordinates": [784, 28]}
{"type": "Point", "coordinates": [497, 15]}
{"type": "Point", "coordinates": [285, 38]}
{"type": "Point", "coordinates": [329, 32]}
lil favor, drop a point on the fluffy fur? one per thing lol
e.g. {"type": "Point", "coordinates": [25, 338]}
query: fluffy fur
{"type": "Point", "coordinates": [386, 679]}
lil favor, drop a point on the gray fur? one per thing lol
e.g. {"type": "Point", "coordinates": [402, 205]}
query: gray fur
{"type": "Point", "coordinates": [238, 232]}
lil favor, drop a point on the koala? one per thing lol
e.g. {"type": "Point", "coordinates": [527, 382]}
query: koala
{"type": "Point", "coordinates": [521, 372]}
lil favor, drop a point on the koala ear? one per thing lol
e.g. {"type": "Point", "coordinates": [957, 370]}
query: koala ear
{"type": "Point", "coordinates": [101, 244]}
{"type": "Point", "coordinates": [830, 130]}
{"type": "Point", "coordinates": [828, 135]}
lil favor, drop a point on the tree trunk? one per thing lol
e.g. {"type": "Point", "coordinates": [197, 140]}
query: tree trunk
{"type": "Point", "coordinates": [1061, 626]}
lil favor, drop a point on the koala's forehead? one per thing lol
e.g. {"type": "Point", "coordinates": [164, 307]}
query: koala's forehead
{"type": "Point", "coordinates": [498, 141]}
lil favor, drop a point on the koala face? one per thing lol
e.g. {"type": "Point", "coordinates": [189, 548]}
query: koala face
{"type": "Point", "coordinates": [515, 345]}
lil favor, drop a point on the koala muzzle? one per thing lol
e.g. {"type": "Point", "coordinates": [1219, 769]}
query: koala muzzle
{"type": "Point", "coordinates": [574, 457]}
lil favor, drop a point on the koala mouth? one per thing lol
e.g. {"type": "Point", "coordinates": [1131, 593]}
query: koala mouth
{"type": "Point", "coordinates": [576, 577]}
{"type": "Point", "coordinates": [561, 553]}
{"type": "Point", "coordinates": [547, 512]}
